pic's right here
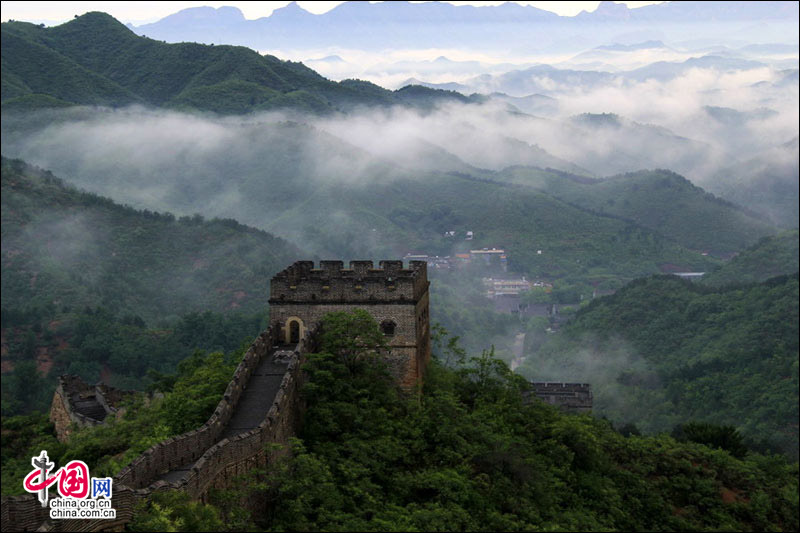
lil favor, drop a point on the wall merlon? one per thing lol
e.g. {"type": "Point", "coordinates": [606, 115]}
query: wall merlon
{"type": "Point", "coordinates": [329, 269]}
{"type": "Point", "coordinates": [391, 267]}
{"type": "Point", "coordinates": [552, 385]}
{"type": "Point", "coordinates": [361, 268]}
{"type": "Point", "coordinates": [571, 396]}
{"type": "Point", "coordinates": [391, 292]}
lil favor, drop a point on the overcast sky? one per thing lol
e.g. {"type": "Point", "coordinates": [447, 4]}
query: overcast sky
{"type": "Point", "coordinates": [141, 12]}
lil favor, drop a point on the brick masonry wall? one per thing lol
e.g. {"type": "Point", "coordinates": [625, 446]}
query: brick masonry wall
{"type": "Point", "coordinates": [62, 413]}
{"type": "Point", "coordinates": [570, 396]}
{"type": "Point", "coordinates": [402, 362]}
{"type": "Point", "coordinates": [109, 397]}
{"type": "Point", "coordinates": [390, 293]}
{"type": "Point", "coordinates": [177, 451]}
{"type": "Point", "coordinates": [361, 283]}
{"type": "Point", "coordinates": [218, 462]}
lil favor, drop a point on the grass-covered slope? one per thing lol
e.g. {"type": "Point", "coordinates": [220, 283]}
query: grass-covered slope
{"type": "Point", "coordinates": [660, 200]}
{"type": "Point", "coordinates": [94, 59]}
{"type": "Point", "coordinates": [769, 257]}
{"type": "Point", "coordinates": [61, 246]}
{"type": "Point", "coordinates": [662, 351]}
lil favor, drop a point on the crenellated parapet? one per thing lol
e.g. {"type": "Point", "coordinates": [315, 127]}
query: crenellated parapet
{"type": "Point", "coordinates": [395, 296]}
{"type": "Point", "coordinates": [213, 454]}
{"type": "Point", "coordinates": [215, 459]}
{"type": "Point", "coordinates": [568, 396]}
{"type": "Point", "coordinates": [332, 283]}
{"type": "Point", "coordinates": [78, 403]}
{"type": "Point", "coordinates": [190, 446]}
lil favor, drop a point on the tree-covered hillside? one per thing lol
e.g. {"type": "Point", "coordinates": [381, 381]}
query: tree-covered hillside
{"type": "Point", "coordinates": [769, 257]}
{"type": "Point", "coordinates": [660, 200]}
{"type": "Point", "coordinates": [190, 394]}
{"type": "Point", "coordinates": [663, 350]}
{"type": "Point", "coordinates": [96, 60]}
{"type": "Point", "coordinates": [119, 349]}
{"type": "Point", "coordinates": [767, 183]}
{"type": "Point", "coordinates": [338, 200]}
{"type": "Point", "coordinates": [468, 454]}
{"type": "Point", "coordinates": [62, 246]}
{"type": "Point", "coordinates": [97, 289]}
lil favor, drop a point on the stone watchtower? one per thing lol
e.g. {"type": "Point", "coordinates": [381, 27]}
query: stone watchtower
{"type": "Point", "coordinates": [397, 298]}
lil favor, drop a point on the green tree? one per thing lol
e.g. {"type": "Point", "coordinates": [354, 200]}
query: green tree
{"type": "Point", "coordinates": [352, 337]}
{"type": "Point", "coordinates": [175, 511]}
{"type": "Point", "coordinates": [713, 435]}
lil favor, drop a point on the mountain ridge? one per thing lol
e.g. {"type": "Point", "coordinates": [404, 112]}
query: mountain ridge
{"type": "Point", "coordinates": [64, 244]}
{"type": "Point", "coordinates": [406, 24]}
{"type": "Point", "coordinates": [107, 59]}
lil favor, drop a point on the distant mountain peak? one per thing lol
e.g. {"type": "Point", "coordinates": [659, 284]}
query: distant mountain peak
{"type": "Point", "coordinates": [207, 13]}
{"type": "Point", "coordinates": [97, 20]}
{"type": "Point", "coordinates": [330, 59]}
{"type": "Point", "coordinates": [631, 47]}
{"type": "Point", "coordinates": [607, 7]}
{"type": "Point", "coordinates": [607, 10]}
{"type": "Point", "coordinates": [292, 9]}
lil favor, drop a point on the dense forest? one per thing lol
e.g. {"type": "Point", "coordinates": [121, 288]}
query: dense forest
{"type": "Point", "coordinates": [769, 257]}
{"type": "Point", "coordinates": [97, 289]}
{"type": "Point", "coordinates": [98, 345]}
{"type": "Point", "coordinates": [660, 200]}
{"type": "Point", "coordinates": [465, 453]}
{"type": "Point", "coordinates": [121, 68]}
{"type": "Point", "coordinates": [63, 246]}
{"type": "Point", "coordinates": [172, 181]}
{"type": "Point", "coordinates": [663, 350]}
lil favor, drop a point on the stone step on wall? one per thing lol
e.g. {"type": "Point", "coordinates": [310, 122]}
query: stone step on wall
{"type": "Point", "coordinates": [219, 463]}
{"type": "Point", "coordinates": [250, 410]}
{"type": "Point", "coordinates": [260, 394]}
{"type": "Point", "coordinates": [91, 408]}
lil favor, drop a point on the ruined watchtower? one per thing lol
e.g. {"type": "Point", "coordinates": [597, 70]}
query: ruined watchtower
{"type": "Point", "coordinates": [397, 298]}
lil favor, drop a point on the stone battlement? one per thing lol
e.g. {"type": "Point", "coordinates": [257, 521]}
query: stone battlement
{"type": "Point", "coordinates": [77, 402]}
{"type": "Point", "coordinates": [570, 396]}
{"type": "Point", "coordinates": [360, 283]}
{"type": "Point", "coordinates": [228, 444]}
{"type": "Point", "coordinates": [396, 297]}
{"type": "Point", "coordinates": [216, 460]}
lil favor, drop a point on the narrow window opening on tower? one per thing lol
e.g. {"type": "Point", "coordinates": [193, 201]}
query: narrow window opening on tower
{"type": "Point", "coordinates": [387, 327]}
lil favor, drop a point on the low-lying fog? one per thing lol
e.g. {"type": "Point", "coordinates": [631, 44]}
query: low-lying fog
{"type": "Point", "coordinates": [698, 123]}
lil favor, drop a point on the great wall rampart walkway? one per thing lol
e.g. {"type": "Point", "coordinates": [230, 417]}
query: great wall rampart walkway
{"type": "Point", "coordinates": [260, 406]}
{"type": "Point", "coordinates": [264, 383]}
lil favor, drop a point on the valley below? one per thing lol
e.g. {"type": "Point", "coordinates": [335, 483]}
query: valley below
{"type": "Point", "coordinates": [626, 218]}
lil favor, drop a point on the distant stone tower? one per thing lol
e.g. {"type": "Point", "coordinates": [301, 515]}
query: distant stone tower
{"type": "Point", "coordinates": [397, 299]}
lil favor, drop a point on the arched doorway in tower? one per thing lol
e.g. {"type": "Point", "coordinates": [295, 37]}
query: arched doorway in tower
{"type": "Point", "coordinates": [294, 330]}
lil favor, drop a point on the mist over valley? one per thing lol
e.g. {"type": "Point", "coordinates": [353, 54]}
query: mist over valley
{"type": "Point", "coordinates": [610, 198]}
